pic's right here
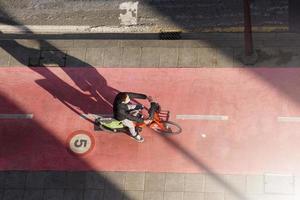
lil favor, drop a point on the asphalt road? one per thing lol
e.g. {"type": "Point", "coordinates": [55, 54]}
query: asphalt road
{"type": "Point", "coordinates": [160, 14]}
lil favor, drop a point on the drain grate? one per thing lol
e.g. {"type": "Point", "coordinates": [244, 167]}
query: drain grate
{"type": "Point", "coordinates": [170, 35]}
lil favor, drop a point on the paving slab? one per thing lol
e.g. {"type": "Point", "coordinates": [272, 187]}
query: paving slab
{"type": "Point", "coordinates": [20, 56]}
{"type": "Point", "coordinates": [234, 196]}
{"type": "Point", "coordinates": [173, 195]}
{"type": "Point", "coordinates": [207, 57]}
{"type": "Point", "coordinates": [133, 195]}
{"type": "Point", "coordinates": [255, 184]}
{"type": "Point", "coordinates": [188, 57]}
{"type": "Point", "coordinates": [53, 194]}
{"type": "Point", "coordinates": [290, 56]}
{"type": "Point", "coordinates": [15, 180]}
{"type": "Point", "coordinates": [70, 194]}
{"type": "Point", "coordinates": [212, 184]}
{"type": "Point", "coordinates": [279, 184]}
{"type": "Point", "coordinates": [55, 180]}
{"type": "Point", "coordinates": [174, 182]}
{"type": "Point", "coordinates": [24, 57]}
{"type": "Point", "coordinates": [225, 57]}
{"type": "Point", "coordinates": [168, 57]}
{"type": "Point", "coordinates": [33, 194]}
{"type": "Point", "coordinates": [95, 180]}
{"type": "Point", "coordinates": [13, 194]}
{"type": "Point", "coordinates": [155, 182]}
{"type": "Point", "coordinates": [153, 195]}
{"type": "Point", "coordinates": [95, 56]}
{"type": "Point", "coordinates": [112, 57]}
{"type": "Point", "coordinates": [297, 185]}
{"type": "Point", "coordinates": [214, 196]}
{"type": "Point", "coordinates": [150, 57]}
{"type": "Point", "coordinates": [237, 184]}
{"type": "Point", "coordinates": [113, 194]}
{"type": "Point", "coordinates": [75, 180]}
{"type": "Point", "coordinates": [194, 182]}
{"type": "Point", "coordinates": [131, 57]}
{"type": "Point", "coordinates": [2, 179]}
{"type": "Point", "coordinates": [135, 181]}
{"type": "Point", "coordinates": [271, 197]}
{"type": "Point", "coordinates": [92, 194]}
{"type": "Point", "coordinates": [35, 180]}
{"type": "Point", "coordinates": [114, 180]}
{"type": "Point", "coordinates": [53, 58]}
{"type": "Point", "coordinates": [75, 57]}
{"type": "Point", "coordinates": [193, 196]}
{"type": "Point", "coordinates": [4, 61]}
{"type": "Point", "coordinates": [277, 57]}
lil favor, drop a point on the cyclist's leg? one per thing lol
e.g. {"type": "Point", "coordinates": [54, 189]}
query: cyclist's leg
{"type": "Point", "coordinates": [130, 126]}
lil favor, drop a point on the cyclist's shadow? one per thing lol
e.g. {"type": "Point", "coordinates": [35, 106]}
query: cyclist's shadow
{"type": "Point", "coordinates": [93, 96]}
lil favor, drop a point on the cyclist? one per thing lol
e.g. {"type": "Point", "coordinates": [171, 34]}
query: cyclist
{"type": "Point", "coordinates": [125, 112]}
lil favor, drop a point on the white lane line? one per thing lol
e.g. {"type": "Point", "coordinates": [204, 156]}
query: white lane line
{"type": "Point", "coordinates": [288, 119]}
{"type": "Point", "coordinates": [88, 116]}
{"type": "Point", "coordinates": [16, 116]}
{"type": "Point", "coordinates": [203, 117]}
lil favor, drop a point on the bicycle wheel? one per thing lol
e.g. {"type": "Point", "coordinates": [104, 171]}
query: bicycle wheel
{"type": "Point", "coordinates": [170, 128]}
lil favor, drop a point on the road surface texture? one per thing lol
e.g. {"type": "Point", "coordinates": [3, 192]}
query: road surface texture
{"type": "Point", "coordinates": [147, 15]}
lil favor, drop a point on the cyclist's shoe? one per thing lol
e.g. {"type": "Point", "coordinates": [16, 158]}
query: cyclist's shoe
{"type": "Point", "coordinates": [138, 138]}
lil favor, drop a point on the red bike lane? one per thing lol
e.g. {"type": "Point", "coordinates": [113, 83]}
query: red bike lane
{"type": "Point", "coordinates": [234, 120]}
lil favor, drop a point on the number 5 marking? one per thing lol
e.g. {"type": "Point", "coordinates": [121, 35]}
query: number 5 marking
{"type": "Point", "coordinates": [79, 143]}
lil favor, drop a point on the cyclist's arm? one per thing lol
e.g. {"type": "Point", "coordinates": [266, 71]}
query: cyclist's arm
{"type": "Point", "coordinates": [131, 117]}
{"type": "Point", "coordinates": [133, 95]}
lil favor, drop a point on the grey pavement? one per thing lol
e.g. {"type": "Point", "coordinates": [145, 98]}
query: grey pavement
{"type": "Point", "coordinates": [90, 185]}
{"type": "Point", "coordinates": [203, 50]}
{"type": "Point", "coordinates": [156, 14]}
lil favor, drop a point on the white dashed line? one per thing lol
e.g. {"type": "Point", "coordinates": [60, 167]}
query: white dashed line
{"type": "Point", "coordinates": [16, 116]}
{"type": "Point", "coordinates": [203, 117]}
{"type": "Point", "coordinates": [288, 119]}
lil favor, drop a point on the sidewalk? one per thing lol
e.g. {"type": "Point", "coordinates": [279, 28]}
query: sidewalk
{"type": "Point", "coordinates": [210, 50]}
{"type": "Point", "coordinates": [94, 185]}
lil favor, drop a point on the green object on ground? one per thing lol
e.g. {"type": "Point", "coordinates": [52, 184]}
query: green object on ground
{"type": "Point", "coordinates": [113, 124]}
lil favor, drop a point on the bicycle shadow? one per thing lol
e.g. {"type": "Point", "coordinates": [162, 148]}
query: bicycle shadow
{"type": "Point", "coordinates": [92, 95]}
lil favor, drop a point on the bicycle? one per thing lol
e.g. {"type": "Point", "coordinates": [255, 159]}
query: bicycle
{"type": "Point", "coordinates": [160, 122]}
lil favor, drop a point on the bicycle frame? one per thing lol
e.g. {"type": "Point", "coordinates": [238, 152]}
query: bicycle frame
{"type": "Point", "coordinates": [158, 119]}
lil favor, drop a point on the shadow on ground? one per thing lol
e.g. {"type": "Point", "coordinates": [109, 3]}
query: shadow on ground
{"type": "Point", "coordinates": [97, 87]}
{"type": "Point", "coordinates": [13, 139]}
